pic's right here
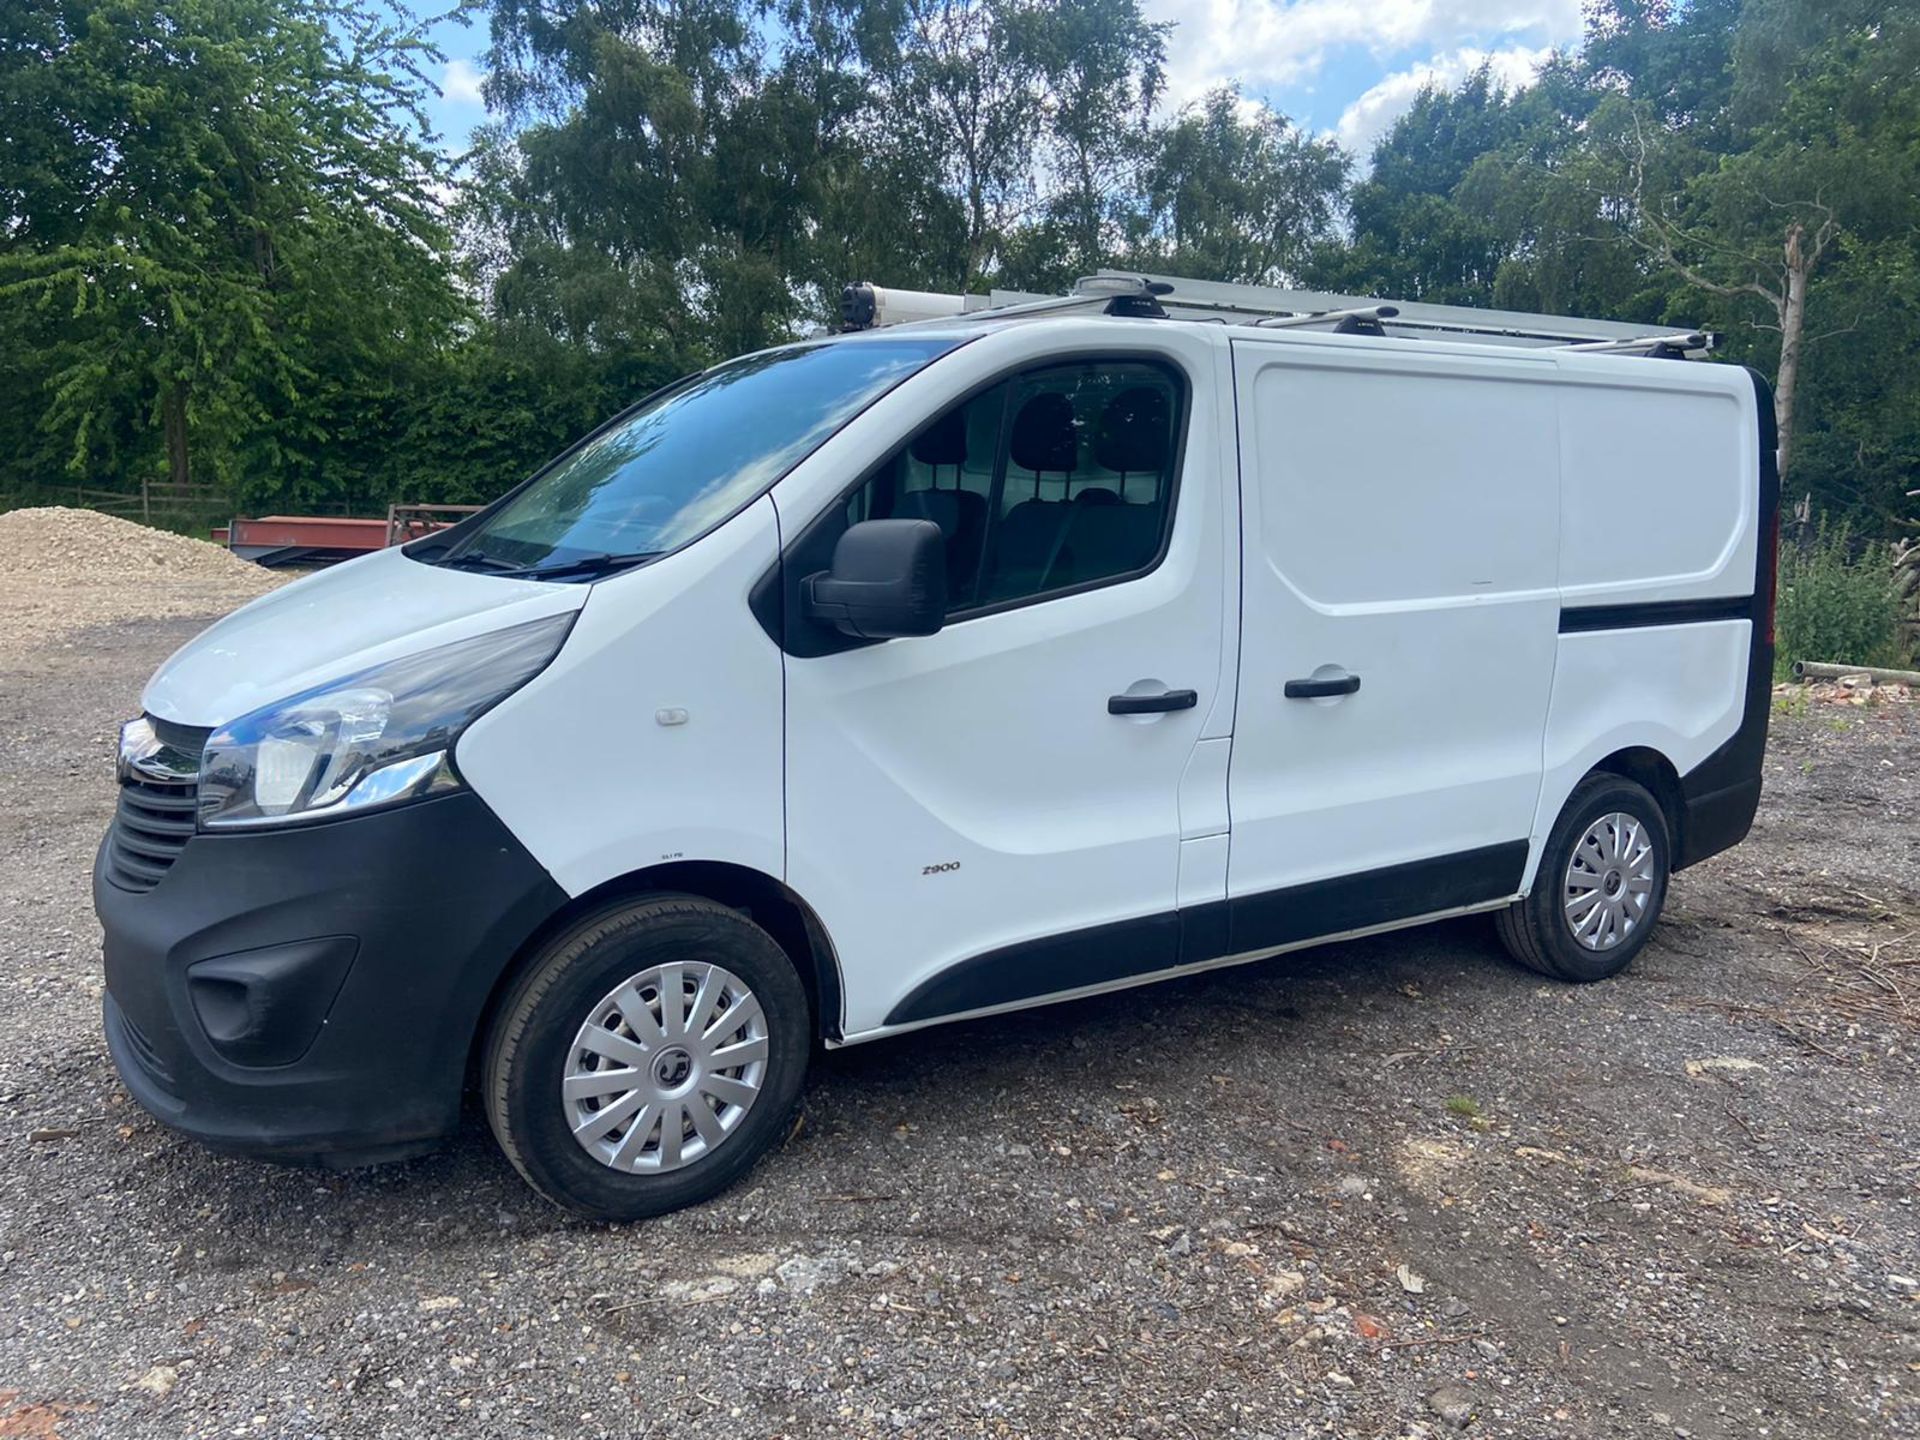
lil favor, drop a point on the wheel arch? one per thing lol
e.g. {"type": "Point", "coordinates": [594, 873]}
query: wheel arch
{"type": "Point", "coordinates": [1654, 773]}
{"type": "Point", "coordinates": [1647, 765]}
{"type": "Point", "coordinates": [768, 902]}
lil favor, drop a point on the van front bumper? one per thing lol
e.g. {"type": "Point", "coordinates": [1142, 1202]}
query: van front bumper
{"type": "Point", "coordinates": [312, 993]}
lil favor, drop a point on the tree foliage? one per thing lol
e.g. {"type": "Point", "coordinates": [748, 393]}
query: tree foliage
{"type": "Point", "coordinates": [230, 243]}
{"type": "Point", "coordinates": [221, 231]}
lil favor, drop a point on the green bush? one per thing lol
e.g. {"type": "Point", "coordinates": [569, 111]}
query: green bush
{"type": "Point", "coordinates": [1838, 602]}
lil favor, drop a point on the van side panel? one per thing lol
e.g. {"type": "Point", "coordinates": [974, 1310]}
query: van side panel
{"type": "Point", "coordinates": [1657, 490]}
{"type": "Point", "coordinates": [1678, 690]}
{"type": "Point", "coordinates": [655, 735]}
{"type": "Point", "coordinates": [1665, 637]}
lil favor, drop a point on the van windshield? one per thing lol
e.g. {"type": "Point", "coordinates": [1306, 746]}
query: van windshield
{"type": "Point", "coordinates": [687, 459]}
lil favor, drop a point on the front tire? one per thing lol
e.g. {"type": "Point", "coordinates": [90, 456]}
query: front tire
{"type": "Point", "coordinates": [1600, 887]}
{"type": "Point", "coordinates": [647, 1058]}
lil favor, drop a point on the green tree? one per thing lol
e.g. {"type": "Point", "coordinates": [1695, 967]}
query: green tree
{"type": "Point", "coordinates": [974, 94]}
{"type": "Point", "coordinates": [1237, 194]}
{"type": "Point", "coordinates": [1103, 64]}
{"type": "Point", "coordinates": [1824, 176]}
{"type": "Point", "coordinates": [1449, 203]}
{"type": "Point", "coordinates": [213, 208]}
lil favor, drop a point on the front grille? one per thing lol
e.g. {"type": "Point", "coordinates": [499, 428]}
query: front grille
{"type": "Point", "coordinates": [151, 827]}
{"type": "Point", "coordinates": [159, 800]}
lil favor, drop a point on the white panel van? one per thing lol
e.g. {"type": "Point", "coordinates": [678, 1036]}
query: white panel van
{"type": "Point", "coordinates": [923, 673]}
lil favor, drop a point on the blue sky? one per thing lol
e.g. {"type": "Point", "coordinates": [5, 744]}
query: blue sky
{"type": "Point", "coordinates": [1340, 67]}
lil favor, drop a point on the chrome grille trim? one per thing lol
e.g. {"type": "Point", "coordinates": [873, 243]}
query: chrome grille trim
{"type": "Point", "coordinates": [157, 813]}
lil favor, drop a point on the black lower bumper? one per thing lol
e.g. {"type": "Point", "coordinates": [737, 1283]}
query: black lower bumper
{"type": "Point", "coordinates": [1716, 820]}
{"type": "Point", "coordinates": [313, 993]}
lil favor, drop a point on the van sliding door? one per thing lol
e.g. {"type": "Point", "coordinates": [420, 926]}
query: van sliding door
{"type": "Point", "coordinates": [1400, 521]}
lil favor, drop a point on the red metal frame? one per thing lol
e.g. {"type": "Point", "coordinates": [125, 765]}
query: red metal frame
{"type": "Point", "coordinates": [281, 535]}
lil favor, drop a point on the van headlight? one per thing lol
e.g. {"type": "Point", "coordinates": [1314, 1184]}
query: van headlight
{"type": "Point", "coordinates": [372, 738]}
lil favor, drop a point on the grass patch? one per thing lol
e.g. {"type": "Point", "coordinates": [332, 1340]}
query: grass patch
{"type": "Point", "coordinates": [1838, 603]}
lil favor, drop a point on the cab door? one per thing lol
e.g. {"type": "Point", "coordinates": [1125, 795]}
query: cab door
{"type": "Point", "coordinates": [993, 813]}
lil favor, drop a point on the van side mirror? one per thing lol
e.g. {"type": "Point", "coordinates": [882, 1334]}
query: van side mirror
{"type": "Point", "coordinates": [889, 578]}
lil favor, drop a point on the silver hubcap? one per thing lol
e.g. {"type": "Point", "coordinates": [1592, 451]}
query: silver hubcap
{"type": "Point", "coordinates": [666, 1067]}
{"type": "Point", "coordinates": [1609, 881]}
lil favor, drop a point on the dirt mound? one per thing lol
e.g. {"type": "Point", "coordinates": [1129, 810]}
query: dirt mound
{"type": "Point", "coordinates": [62, 570]}
{"type": "Point", "coordinates": [61, 544]}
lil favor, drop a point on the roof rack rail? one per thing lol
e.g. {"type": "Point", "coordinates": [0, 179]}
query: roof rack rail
{"type": "Point", "coordinates": [1131, 294]}
{"type": "Point", "coordinates": [1197, 299]}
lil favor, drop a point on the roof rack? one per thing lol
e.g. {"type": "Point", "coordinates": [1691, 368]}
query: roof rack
{"type": "Point", "coordinates": [1271, 306]}
{"type": "Point", "coordinates": [1129, 293]}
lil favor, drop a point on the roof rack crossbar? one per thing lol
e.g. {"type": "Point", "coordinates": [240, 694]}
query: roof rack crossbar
{"type": "Point", "coordinates": [1361, 313]}
{"type": "Point", "coordinates": [1683, 341]}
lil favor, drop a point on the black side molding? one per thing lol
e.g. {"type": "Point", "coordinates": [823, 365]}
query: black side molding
{"type": "Point", "coordinates": [1129, 949]}
{"type": "Point", "coordinates": [1373, 897]}
{"type": "Point", "coordinates": [1576, 618]}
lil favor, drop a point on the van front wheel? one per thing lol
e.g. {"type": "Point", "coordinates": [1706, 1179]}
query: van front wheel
{"type": "Point", "coordinates": [648, 1056]}
{"type": "Point", "coordinates": [1600, 886]}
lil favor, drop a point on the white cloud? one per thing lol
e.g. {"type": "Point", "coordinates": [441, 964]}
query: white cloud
{"type": "Point", "coordinates": [461, 84]}
{"type": "Point", "coordinates": [1368, 118]}
{"type": "Point", "coordinates": [1265, 44]}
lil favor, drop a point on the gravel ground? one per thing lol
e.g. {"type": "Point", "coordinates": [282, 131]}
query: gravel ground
{"type": "Point", "coordinates": [1386, 1188]}
{"type": "Point", "coordinates": [63, 570]}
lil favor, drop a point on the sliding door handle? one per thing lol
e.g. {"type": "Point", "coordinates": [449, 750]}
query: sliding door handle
{"type": "Point", "coordinates": [1152, 704]}
{"type": "Point", "coordinates": [1321, 689]}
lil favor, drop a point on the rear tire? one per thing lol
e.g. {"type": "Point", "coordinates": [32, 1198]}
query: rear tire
{"type": "Point", "coordinates": [647, 1058]}
{"type": "Point", "coordinates": [1600, 887]}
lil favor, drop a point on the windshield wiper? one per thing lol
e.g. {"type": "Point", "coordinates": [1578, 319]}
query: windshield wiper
{"type": "Point", "coordinates": [587, 566]}
{"type": "Point", "coordinates": [477, 560]}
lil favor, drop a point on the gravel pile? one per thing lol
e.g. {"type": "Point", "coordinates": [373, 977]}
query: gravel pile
{"type": "Point", "coordinates": [62, 570]}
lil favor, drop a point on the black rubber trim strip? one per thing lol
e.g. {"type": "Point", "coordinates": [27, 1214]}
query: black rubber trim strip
{"type": "Point", "coordinates": [1375, 897]}
{"type": "Point", "coordinates": [1127, 949]}
{"type": "Point", "coordinates": [1577, 618]}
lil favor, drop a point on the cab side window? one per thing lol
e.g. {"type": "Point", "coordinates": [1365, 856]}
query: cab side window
{"type": "Point", "coordinates": [944, 474]}
{"type": "Point", "coordinates": [1058, 478]}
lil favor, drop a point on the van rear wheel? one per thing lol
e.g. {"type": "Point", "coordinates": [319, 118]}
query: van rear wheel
{"type": "Point", "coordinates": [648, 1056]}
{"type": "Point", "coordinates": [1601, 884]}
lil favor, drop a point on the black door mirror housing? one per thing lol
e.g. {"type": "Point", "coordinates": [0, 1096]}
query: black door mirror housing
{"type": "Point", "coordinates": [889, 579]}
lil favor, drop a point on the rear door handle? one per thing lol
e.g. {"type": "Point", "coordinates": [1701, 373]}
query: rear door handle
{"type": "Point", "coordinates": [1320, 689]}
{"type": "Point", "coordinates": [1152, 704]}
